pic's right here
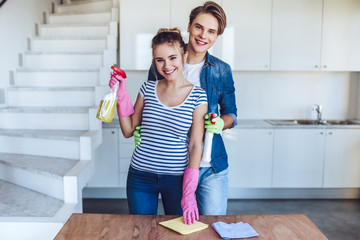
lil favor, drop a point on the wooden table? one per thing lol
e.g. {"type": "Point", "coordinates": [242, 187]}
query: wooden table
{"type": "Point", "coordinates": [111, 226]}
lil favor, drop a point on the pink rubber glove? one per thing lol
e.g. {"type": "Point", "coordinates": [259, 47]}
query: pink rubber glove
{"type": "Point", "coordinates": [188, 201]}
{"type": "Point", "coordinates": [124, 105]}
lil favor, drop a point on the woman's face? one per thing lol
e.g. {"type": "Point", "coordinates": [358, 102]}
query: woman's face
{"type": "Point", "coordinates": [169, 61]}
{"type": "Point", "coordinates": [203, 32]}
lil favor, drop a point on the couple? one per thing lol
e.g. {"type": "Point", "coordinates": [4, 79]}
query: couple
{"type": "Point", "coordinates": [171, 113]}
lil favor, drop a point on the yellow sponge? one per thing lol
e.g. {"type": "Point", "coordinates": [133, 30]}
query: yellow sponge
{"type": "Point", "coordinates": [177, 224]}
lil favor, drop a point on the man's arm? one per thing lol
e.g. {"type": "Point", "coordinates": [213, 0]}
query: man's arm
{"type": "Point", "coordinates": [228, 121]}
{"type": "Point", "coordinates": [228, 110]}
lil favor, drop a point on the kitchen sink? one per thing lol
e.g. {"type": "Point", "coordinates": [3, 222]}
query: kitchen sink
{"type": "Point", "coordinates": [282, 122]}
{"type": "Point", "coordinates": [309, 122]}
{"type": "Point", "coordinates": [289, 122]}
{"type": "Point", "coordinates": [342, 122]}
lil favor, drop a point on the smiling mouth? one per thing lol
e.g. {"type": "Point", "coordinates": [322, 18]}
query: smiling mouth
{"type": "Point", "coordinates": [200, 42]}
{"type": "Point", "coordinates": [169, 72]}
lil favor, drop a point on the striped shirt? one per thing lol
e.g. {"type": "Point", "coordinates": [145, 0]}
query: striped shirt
{"type": "Point", "coordinates": [164, 130]}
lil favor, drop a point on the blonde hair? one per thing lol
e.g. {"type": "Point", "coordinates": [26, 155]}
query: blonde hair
{"type": "Point", "coordinates": [215, 10]}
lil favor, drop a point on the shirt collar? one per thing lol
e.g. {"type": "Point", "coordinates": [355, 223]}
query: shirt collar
{"type": "Point", "coordinates": [209, 59]}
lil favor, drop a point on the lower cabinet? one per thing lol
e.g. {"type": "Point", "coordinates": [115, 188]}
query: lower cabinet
{"type": "Point", "coordinates": [342, 158]}
{"type": "Point", "coordinates": [316, 158]}
{"type": "Point", "coordinates": [126, 148]}
{"type": "Point", "coordinates": [106, 172]}
{"type": "Point", "coordinates": [112, 160]}
{"type": "Point", "coordinates": [250, 157]}
{"type": "Point", "coordinates": [258, 158]}
{"type": "Point", "coordinates": [298, 158]}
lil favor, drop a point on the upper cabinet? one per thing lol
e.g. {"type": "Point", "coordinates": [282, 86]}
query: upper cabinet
{"type": "Point", "coordinates": [313, 35]}
{"type": "Point", "coordinates": [261, 35]}
{"type": "Point", "coordinates": [139, 22]}
{"type": "Point", "coordinates": [296, 35]}
{"type": "Point", "coordinates": [341, 35]}
{"type": "Point", "coordinates": [246, 40]}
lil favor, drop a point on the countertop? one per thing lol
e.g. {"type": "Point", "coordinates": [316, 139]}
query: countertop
{"type": "Point", "coordinates": [261, 123]}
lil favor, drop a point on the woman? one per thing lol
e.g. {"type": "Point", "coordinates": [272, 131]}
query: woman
{"type": "Point", "coordinates": [206, 23]}
{"type": "Point", "coordinates": [166, 159]}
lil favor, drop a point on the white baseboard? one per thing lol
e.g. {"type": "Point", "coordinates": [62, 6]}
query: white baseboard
{"type": "Point", "coordinates": [250, 193]}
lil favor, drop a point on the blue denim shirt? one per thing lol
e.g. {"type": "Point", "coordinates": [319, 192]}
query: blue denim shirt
{"type": "Point", "coordinates": [216, 79]}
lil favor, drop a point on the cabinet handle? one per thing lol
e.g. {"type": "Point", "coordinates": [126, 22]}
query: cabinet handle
{"type": "Point", "coordinates": [270, 133]}
{"type": "Point", "coordinates": [325, 66]}
{"type": "Point", "coordinates": [330, 133]}
{"type": "Point", "coordinates": [322, 133]}
{"type": "Point", "coordinates": [112, 132]}
{"type": "Point", "coordinates": [316, 66]}
{"type": "Point", "coordinates": [266, 66]}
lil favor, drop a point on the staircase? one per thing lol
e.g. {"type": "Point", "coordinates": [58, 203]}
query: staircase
{"type": "Point", "coordinates": [48, 129]}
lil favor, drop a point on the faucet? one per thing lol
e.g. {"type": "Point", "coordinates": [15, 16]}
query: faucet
{"type": "Point", "coordinates": [318, 109]}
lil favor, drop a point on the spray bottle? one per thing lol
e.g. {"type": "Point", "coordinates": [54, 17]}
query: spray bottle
{"type": "Point", "coordinates": [107, 106]}
{"type": "Point", "coordinates": [206, 157]}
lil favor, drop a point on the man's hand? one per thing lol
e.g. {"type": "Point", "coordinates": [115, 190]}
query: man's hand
{"type": "Point", "coordinates": [136, 134]}
{"type": "Point", "coordinates": [215, 127]}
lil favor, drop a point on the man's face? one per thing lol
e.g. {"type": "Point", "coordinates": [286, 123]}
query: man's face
{"type": "Point", "coordinates": [203, 32]}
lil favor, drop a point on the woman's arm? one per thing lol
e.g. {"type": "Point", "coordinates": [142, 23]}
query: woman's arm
{"type": "Point", "coordinates": [196, 136]}
{"type": "Point", "coordinates": [128, 124]}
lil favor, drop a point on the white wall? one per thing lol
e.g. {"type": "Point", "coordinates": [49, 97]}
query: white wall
{"type": "Point", "coordinates": [17, 23]}
{"type": "Point", "coordinates": [285, 95]}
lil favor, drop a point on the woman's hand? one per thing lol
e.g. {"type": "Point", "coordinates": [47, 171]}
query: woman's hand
{"type": "Point", "coordinates": [188, 201]}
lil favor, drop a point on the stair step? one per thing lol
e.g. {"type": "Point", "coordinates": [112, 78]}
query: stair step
{"type": "Point", "coordinates": [49, 166]}
{"type": "Point", "coordinates": [84, 6]}
{"type": "Point", "coordinates": [49, 118]}
{"type": "Point", "coordinates": [41, 174]}
{"type": "Point", "coordinates": [51, 96]}
{"type": "Point", "coordinates": [48, 143]}
{"type": "Point", "coordinates": [45, 109]}
{"type": "Point", "coordinates": [17, 201]}
{"type": "Point", "coordinates": [57, 77]}
{"type": "Point", "coordinates": [74, 30]}
{"type": "Point", "coordinates": [75, 44]}
{"type": "Point", "coordinates": [98, 17]}
{"type": "Point", "coordinates": [56, 60]}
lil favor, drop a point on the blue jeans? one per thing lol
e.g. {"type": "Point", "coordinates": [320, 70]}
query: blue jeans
{"type": "Point", "coordinates": [212, 192]}
{"type": "Point", "coordinates": [143, 190]}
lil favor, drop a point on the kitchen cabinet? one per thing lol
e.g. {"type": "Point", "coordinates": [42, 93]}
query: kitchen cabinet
{"type": "Point", "coordinates": [319, 157]}
{"type": "Point", "coordinates": [250, 157]}
{"type": "Point", "coordinates": [298, 158]}
{"type": "Point", "coordinates": [139, 22]}
{"type": "Point", "coordinates": [246, 40]}
{"type": "Point", "coordinates": [342, 158]}
{"type": "Point", "coordinates": [309, 158]}
{"type": "Point", "coordinates": [313, 35]}
{"type": "Point", "coordinates": [126, 148]}
{"type": "Point", "coordinates": [341, 36]}
{"type": "Point", "coordinates": [106, 160]}
{"type": "Point", "coordinates": [112, 160]}
{"type": "Point", "coordinates": [261, 35]}
{"type": "Point", "coordinates": [296, 35]}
